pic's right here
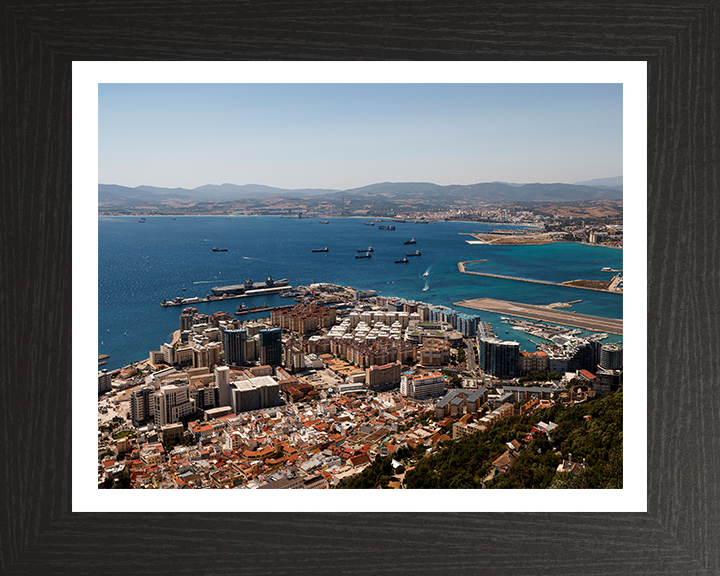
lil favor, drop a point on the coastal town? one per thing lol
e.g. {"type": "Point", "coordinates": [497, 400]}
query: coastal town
{"type": "Point", "coordinates": [347, 388]}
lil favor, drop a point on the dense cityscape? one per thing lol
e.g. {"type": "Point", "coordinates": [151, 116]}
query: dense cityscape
{"type": "Point", "coordinates": [345, 388]}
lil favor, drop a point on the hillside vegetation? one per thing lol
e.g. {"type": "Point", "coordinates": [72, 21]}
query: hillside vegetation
{"type": "Point", "coordinates": [591, 431]}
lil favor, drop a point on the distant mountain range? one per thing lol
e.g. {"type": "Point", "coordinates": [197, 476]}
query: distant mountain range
{"type": "Point", "coordinates": [410, 192]}
{"type": "Point", "coordinates": [614, 182]}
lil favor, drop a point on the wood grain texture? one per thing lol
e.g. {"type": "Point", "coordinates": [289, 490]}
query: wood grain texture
{"type": "Point", "coordinates": [681, 531]}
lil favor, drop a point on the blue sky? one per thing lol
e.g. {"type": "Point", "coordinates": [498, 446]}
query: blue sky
{"type": "Point", "coordinates": [345, 136]}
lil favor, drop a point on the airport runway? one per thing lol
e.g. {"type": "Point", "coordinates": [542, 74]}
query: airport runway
{"type": "Point", "coordinates": [593, 323]}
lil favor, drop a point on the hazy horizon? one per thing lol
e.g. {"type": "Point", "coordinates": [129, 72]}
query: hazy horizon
{"type": "Point", "coordinates": [344, 136]}
{"type": "Point", "coordinates": [354, 187]}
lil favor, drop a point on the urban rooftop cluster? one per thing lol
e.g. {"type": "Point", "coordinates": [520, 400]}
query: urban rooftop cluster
{"type": "Point", "coordinates": [314, 394]}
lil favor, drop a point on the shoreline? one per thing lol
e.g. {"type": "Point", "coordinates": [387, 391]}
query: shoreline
{"type": "Point", "coordinates": [498, 240]}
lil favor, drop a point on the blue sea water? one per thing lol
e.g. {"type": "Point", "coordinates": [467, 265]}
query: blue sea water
{"type": "Point", "coordinates": [139, 265]}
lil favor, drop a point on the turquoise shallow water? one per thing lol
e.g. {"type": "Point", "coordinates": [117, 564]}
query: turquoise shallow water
{"type": "Point", "coordinates": [139, 265]}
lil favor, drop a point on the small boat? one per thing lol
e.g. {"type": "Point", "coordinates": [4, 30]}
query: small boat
{"type": "Point", "coordinates": [369, 223]}
{"type": "Point", "coordinates": [324, 221]}
{"type": "Point", "coordinates": [412, 241]}
{"type": "Point", "coordinates": [141, 221]}
{"type": "Point", "coordinates": [184, 288]}
{"type": "Point", "coordinates": [219, 249]}
{"type": "Point", "coordinates": [172, 218]}
{"type": "Point", "coordinates": [321, 249]}
{"type": "Point", "coordinates": [403, 261]}
{"type": "Point", "coordinates": [426, 273]}
{"type": "Point", "coordinates": [385, 227]}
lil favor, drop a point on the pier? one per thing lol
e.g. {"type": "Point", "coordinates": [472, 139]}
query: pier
{"type": "Point", "coordinates": [545, 314]}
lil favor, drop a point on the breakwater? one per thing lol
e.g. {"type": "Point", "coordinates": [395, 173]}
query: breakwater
{"type": "Point", "coordinates": [569, 284]}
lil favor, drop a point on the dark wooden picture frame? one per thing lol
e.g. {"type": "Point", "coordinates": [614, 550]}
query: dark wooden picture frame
{"type": "Point", "coordinates": [38, 531]}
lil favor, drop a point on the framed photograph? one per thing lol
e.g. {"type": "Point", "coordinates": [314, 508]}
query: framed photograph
{"type": "Point", "coordinates": [283, 123]}
{"type": "Point", "coordinates": [668, 527]}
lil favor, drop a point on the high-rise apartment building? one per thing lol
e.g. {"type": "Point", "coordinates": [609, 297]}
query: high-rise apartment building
{"type": "Point", "coordinates": [611, 357]}
{"type": "Point", "coordinates": [499, 357]}
{"type": "Point", "coordinates": [104, 382]}
{"type": "Point", "coordinates": [235, 345]}
{"type": "Point", "coordinates": [222, 380]}
{"type": "Point", "coordinates": [142, 405]}
{"type": "Point", "coordinates": [171, 403]}
{"type": "Point", "coordinates": [271, 346]}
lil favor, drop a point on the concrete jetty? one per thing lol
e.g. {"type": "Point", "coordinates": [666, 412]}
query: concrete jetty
{"type": "Point", "coordinates": [569, 284]}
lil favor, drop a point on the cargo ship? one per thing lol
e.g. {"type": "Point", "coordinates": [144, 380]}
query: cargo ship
{"type": "Point", "coordinates": [403, 261]}
{"type": "Point", "coordinates": [386, 227]}
{"type": "Point", "coordinates": [321, 249]}
{"type": "Point", "coordinates": [366, 255]}
{"type": "Point", "coordinates": [219, 249]}
{"type": "Point", "coordinates": [368, 249]}
{"type": "Point", "coordinates": [324, 221]}
{"type": "Point", "coordinates": [416, 253]}
{"type": "Point", "coordinates": [369, 223]}
{"type": "Point", "coordinates": [413, 241]}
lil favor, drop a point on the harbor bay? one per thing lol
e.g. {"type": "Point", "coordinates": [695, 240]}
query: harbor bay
{"type": "Point", "coordinates": [140, 265]}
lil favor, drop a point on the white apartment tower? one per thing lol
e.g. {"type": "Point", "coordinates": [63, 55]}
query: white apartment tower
{"type": "Point", "coordinates": [172, 402]}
